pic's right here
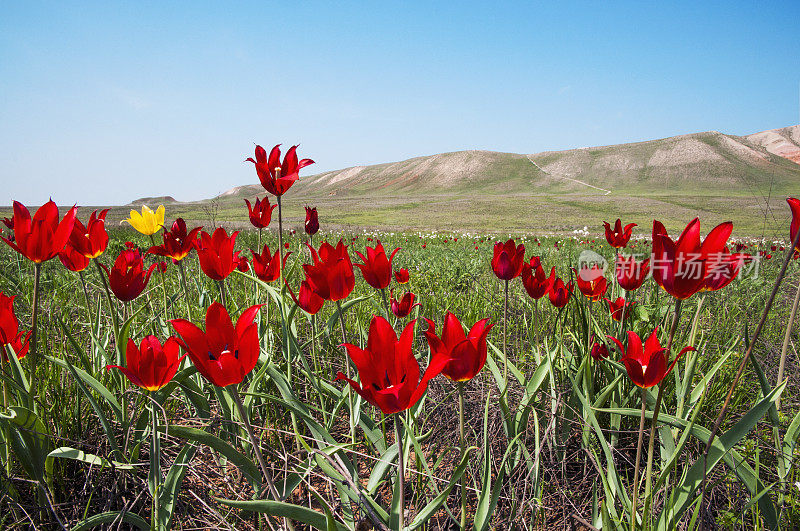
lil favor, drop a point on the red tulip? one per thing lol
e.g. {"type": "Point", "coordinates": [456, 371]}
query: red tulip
{"type": "Point", "coordinates": [261, 213]}
{"type": "Point", "coordinates": [404, 306]}
{"type": "Point", "coordinates": [217, 259]}
{"type": "Point", "coordinates": [72, 259]}
{"type": "Point", "coordinates": [616, 307]}
{"type": "Point", "coordinates": [267, 266]}
{"type": "Point", "coordinates": [127, 279]}
{"type": "Point", "coordinates": [388, 370]}
{"type": "Point", "coordinates": [331, 275]}
{"type": "Point", "coordinates": [10, 333]}
{"type": "Point", "coordinates": [630, 273]}
{"type": "Point", "coordinates": [649, 365]}
{"type": "Point", "coordinates": [507, 259]}
{"type": "Point", "coordinates": [401, 276]}
{"type": "Point", "coordinates": [599, 351]}
{"type": "Point", "coordinates": [533, 278]}
{"type": "Point", "coordinates": [90, 240]}
{"type": "Point", "coordinates": [794, 205]}
{"type": "Point", "coordinates": [223, 354]}
{"type": "Point", "coordinates": [177, 243]}
{"type": "Point", "coordinates": [151, 366]}
{"type": "Point", "coordinates": [242, 264]}
{"type": "Point", "coordinates": [681, 267]}
{"type": "Point", "coordinates": [591, 282]}
{"type": "Point", "coordinates": [306, 298]}
{"type": "Point", "coordinates": [560, 293]}
{"type": "Point", "coordinates": [312, 221]}
{"type": "Point", "coordinates": [618, 237]}
{"type": "Point", "coordinates": [9, 223]}
{"type": "Point", "coordinates": [377, 268]}
{"type": "Point", "coordinates": [277, 177]}
{"type": "Point", "coordinates": [41, 238]}
{"type": "Point", "coordinates": [466, 353]}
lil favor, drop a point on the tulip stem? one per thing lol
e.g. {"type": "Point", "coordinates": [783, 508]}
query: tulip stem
{"type": "Point", "coordinates": [37, 269]}
{"type": "Point", "coordinates": [349, 374]}
{"type": "Point", "coordinates": [256, 448]}
{"type": "Point", "coordinates": [317, 370]}
{"type": "Point", "coordinates": [651, 445]}
{"type": "Point", "coordinates": [463, 444]}
{"type": "Point", "coordinates": [786, 337]}
{"type": "Point", "coordinates": [155, 460]}
{"type": "Point", "coordinates": [163, 282]}
{"type": "Point", "coordinates": [386, 304]}
{"type": "Point", "coordinates": [6, 430]}
{"type": "Point", "coordinates": [86, 297]}
{"type": "Point", "coordinates": [223, 296]}
{"type": "Point", "coordinates": [505, 338]}
{"type": "Point", "coordinates": [280, 238]}
{"type": "Point", "coordinates": [185, 290]}
{"type": "Point", "coordinates": [743, 363]}
{"type": "Point", "coordinates": [635, 493]}
{"type": "Point", "coordinates": [256, 286]}
{"type": "Point", "coordinates": [401, 473]}
{"type": "Point", "coordinates": [111, 307]}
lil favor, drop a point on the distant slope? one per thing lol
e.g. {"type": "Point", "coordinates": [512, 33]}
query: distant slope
{"type": "Point", "coordinates": [782, 142]}
{"type": "Point", "coordinates": [709, 163]}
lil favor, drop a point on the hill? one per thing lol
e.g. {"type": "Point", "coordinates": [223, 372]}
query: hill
{"type": "Point", "coordinates": [712, 175]}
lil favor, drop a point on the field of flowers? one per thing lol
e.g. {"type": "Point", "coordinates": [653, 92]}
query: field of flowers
{"type": "Point", "coordinates": [157, 375]}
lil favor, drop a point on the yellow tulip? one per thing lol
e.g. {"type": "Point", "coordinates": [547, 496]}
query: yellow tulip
{"type": "Point", "coordinates": [148, 222]}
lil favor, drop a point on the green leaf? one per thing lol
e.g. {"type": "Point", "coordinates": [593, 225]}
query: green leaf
{"type": "Point", "coordinates": [92, 382]}
{"type": "Point", "coordinates": [80, 377]}
{"type": "Point", "coordinates": [286, 510]}
{"type": "Point", "coordinates": [172, 485]}
{"type": "Point", "coordinates": [426, 512]}
{"type": "Point", "coordinates": [29, 440]}
{"type": "Point", "coordinates": [65, 452]}
{"type": "Point", "coordinates": [248, 468]}
{"type": "Point", "coordinates": [93, 522]}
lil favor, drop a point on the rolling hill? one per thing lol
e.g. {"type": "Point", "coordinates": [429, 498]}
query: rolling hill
{"type": "Point", "coordinates": [713, 175]}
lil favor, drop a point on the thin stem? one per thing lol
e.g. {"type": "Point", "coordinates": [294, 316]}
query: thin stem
{"type": "Point", "coordinates": [185, 290]}
{"type": "Point", "coordinates": [401, 473]}
{"type": "Point", "coordinates": [112, 308]}
{"type": "Point", "coordinates": [163, 282]}
{"type": "Point", "coordinates": [223, 296]}
{"type": "Point", "coordinates": [86, 297]}
{"type": "Point", "coordinates": [155, 459]}
{"type": "Point", "coordinates": [743, 363]}
{"type": "Point", "coordinates": [635, 493]}
{"type": "Point", "coordinates": [256, 285]}
{"type": "Point", "coordinates": [505, 338]}
{"type": "Point", "coordinates": [37, 268]}
{"type": "Point", "coordinates": [280, 238]}
{"type": "Point", "coordinates": [463, 445]}
{"type": "Point", "coordinates": [317, 370]}
{"type": "Point", "coordinates": [386, 303]}
{"type": "Point", "coordinates": [349, 375]}
{"type": "Point", "coordinates": [6, 444]}
{"type": "Point", "coordinates": [651, 445]}
{"type": "Point", "coordinates": [256, 448]}
{"type": "Point", "coordinates": [787, 336]}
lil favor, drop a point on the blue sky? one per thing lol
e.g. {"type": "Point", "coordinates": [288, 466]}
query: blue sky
{"type": "Point", "coordinates": [102, 103]}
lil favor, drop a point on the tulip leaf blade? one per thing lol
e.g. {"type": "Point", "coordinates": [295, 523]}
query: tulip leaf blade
{"type": "Point", "coordinates": [110, 517]}
{"type": "Point", "coordinates": [426, 512]}
{"type": "Point", "coordinates": [168, 493]}
{"type": "Point", "coordinates": [245, 464]}
{"type": "Point", "coordinates": [286, 510]}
